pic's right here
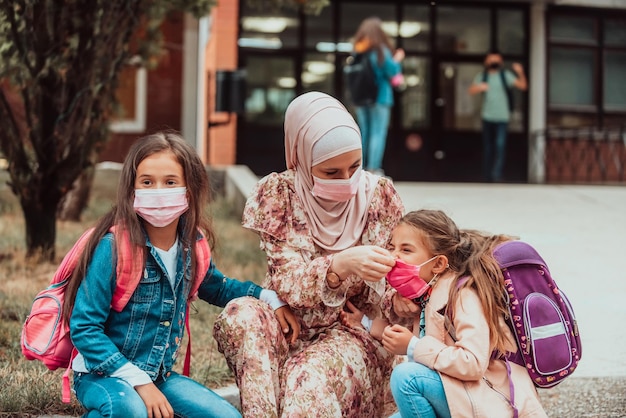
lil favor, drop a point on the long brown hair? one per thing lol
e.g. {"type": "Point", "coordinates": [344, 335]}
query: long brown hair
{"type": "Point", "coordinates": [372, 30]}
{"type": "Point", "coordinates": [123, 213]}
{"type": "Point", "coordinates": [469, 253]}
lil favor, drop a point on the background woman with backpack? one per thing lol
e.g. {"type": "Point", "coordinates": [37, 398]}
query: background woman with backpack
{"type": "Point", "coordinates": [373, 119]}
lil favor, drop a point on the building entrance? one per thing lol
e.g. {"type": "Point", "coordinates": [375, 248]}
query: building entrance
{"type": "Point", "coordinates": [435, 129]}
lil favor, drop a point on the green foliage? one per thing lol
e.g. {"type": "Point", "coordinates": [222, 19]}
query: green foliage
{"type": "Point", "coordinates": [59, 66]}
{"type": "Point", "coordinates": [313, 7]}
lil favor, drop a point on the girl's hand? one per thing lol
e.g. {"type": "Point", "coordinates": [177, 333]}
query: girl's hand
{"type": "Point", "coordinates": [396, 339]}
{"type": "Point", "coordinates": [351, 316]}
{"type": "Point", "coordinates": [369, 262]}
{"type": "Point", "coordinates": [288, 323]}
{"type": "Point", "coordinates": [156, 402]}
{"type": "Point", "coordinates": [405, 308]}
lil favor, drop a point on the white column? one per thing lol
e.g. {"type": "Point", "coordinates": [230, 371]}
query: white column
{"type": "Point", "coordinates": [196, 34]}
{"type": "Point", "coordinates": [537, 95]}
{"type": "Point", "coordinates": [204, 33]}
{"type": "Point", "coordinates": [189, 77]}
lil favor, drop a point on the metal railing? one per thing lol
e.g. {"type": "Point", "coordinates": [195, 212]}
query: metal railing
{"type": "Point", "coordinates": [583, 155]}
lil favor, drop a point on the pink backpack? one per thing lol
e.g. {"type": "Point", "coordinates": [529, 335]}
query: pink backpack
{"type": "Point", "coordinates": [46, 337]}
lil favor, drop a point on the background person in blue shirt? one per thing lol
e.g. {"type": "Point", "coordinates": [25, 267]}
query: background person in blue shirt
{"type": "Point", "coordinates": [495, 110]}
{"type": "Point", "coordinates": [125, 360]}
{"type": "Point", "coordinates": [373, 119]}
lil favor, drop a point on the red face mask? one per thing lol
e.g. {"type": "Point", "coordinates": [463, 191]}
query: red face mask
{"type": "Point", "coordinates": [405, 278]}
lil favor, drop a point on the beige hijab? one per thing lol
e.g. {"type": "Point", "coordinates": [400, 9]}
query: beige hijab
{"type": "Point", "coordinates": [334, 226]}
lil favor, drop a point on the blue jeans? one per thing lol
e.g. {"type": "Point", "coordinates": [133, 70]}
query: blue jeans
{"type": "Point", "coordinates": [494, 149]}
{"type": "Point", "coordinates": [418, 392]}
{"type": "Point", "coordinates": [373, 122]}
{"type": "Point", "coordinates": [112, 397]}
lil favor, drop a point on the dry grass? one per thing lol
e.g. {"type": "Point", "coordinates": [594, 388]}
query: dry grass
{"type": "Point", "coordinates": [28, 387]}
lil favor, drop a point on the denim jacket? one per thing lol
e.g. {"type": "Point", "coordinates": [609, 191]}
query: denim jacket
{"type": "Point", "coordinates": [149, 330]}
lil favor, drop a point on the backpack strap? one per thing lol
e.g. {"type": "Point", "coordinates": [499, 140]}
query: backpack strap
{"type": "Point", "coordinates": [69, 262]}
{"type": "Point", "coordinates": [507, 89]}
{"type": "Point", "coordinates": [130, 268]}
{"type": "Point", "coordinates": [66, 393]}
{"type": "Point", "coordinates": [203, 260]}
{"type": "Point", "coordinates": [509, 93]}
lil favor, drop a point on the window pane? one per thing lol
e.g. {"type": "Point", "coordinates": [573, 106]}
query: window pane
{"type": "Point", "coordinates": [511, 34]}
{"type": "Point", "coordinates": [266, 30]}
{"type": "Point", "coordinates": [460, 110]}
{"type": "Point", "coordinates": [462, 30]}
{"type": "Point", "coordinates": [415, 101]}
{"type": "Point", "coordinates": [614, 85]}
{"type": "Point", "coordinates": [319, 31]}
{"type": "Point", "coordinates": [415, 28]}
{"type": "Point", "coordinates": [352, 14]}
{"type": "Point", "coordinates": [569, 68]}
{"type": "Point", "coordinates": [270, 88]}
{"type": "Point", "coordinates": [570, 28]}
{"type": "Point", "coordinates": [125, 93]}
{"type": "Point", "coordinates": [317, 73]}
{"type": "Point", "coordinates": [615, 32]}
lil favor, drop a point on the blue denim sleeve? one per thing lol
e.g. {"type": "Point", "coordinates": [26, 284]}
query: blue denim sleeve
{"type": "Point", "coordinates": [91, 310]}
{"type": "Point", "coordinates": [217, 289]}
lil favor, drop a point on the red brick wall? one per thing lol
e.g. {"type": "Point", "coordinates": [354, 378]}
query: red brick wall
{"type": "Point", "coordinates": [221, 54]}
{"type": "Point", "coordinates": [164, 92]}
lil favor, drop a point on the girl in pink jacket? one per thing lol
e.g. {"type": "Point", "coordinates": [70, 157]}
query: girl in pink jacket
{"type": "Point", "coordinates": [454, 367]}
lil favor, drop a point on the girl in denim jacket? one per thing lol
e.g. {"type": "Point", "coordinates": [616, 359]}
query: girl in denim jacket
{"type": "Point", "coordinates": [125, 359]}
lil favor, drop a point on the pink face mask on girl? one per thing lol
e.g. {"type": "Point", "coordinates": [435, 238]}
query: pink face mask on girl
{"type": "Point", "coordinates": [161, 207]}
{"type": "Point", "coordinates": [337, 190]}
{"type": "Point", "coordinates": [405, 278]}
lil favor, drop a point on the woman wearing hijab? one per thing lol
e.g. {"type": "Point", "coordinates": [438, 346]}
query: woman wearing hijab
{"type": "Point", "coordinates": [324, 224]}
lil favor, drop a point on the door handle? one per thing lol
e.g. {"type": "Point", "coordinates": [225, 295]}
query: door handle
{"type": "Point", "coordinates": [440, 102]}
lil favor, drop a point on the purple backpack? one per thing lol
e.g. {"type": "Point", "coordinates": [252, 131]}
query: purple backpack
{"type": "Point", "coordinates": [540, 316]}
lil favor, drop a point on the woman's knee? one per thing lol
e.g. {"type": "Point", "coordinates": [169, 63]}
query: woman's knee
{"type": "Point", "coordinates": [243, 319]}
{"type": "Point", "coordinates": [242, 312]}
{"type": "Point", "coordinates": [239, 316]}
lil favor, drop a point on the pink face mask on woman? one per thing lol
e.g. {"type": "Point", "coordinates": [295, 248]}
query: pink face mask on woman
{"type": "Point", "coordinates": [161, 207]}
{"type": "Point", "coordinates": [337, 190]}
{"type": "Point", "coordinates": [405, 278]}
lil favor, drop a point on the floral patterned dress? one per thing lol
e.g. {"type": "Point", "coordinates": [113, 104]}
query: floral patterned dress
{"type": "Point", "coordinates": [332, 370]}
